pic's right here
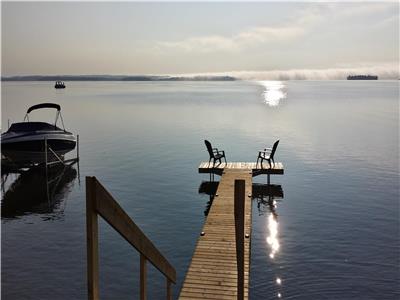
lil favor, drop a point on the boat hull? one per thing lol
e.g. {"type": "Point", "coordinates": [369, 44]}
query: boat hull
{"type": "Point", "coordinates": [30, 148]}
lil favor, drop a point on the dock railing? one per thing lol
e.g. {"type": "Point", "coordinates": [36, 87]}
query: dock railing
{"type": "Point", "coordinates": [100, 202]}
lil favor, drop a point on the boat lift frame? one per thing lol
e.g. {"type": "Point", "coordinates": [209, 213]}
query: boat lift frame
{"type": "Point", "coordinates": [12, 168]}
{"type": "Point", "coordinates": [9, 167]}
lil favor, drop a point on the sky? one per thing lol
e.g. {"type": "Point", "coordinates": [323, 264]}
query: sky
{"type": "Point", "coordinates": [260, 39]}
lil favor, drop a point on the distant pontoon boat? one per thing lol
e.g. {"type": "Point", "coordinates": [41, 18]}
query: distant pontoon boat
{"type": "Point", "coordinates": [59, 85]}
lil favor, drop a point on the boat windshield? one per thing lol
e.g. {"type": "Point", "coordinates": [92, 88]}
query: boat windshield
{"type": "Point", "coordinates": [32, 126]}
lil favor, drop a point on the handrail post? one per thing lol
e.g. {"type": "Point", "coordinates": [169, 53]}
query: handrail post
{"type": "Point", "coordinates": [100, 202]}
{"type": "Point", "coordinates": [169, 290]}
{"type": "Point", "coordinates": [92, 240]}
{"type": "Point", "coordinates": [239, 231]}
{"type": "Point", "coordinates": [143, 276]}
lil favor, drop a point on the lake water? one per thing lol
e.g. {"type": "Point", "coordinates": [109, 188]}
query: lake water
{"type": "Point", "coordinates": [333, 235]}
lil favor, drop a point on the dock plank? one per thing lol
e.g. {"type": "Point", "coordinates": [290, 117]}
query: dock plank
{"type": "Point", "coordinates": [256, 169]}
{"type": "Point", "coordinates": [212, 272]}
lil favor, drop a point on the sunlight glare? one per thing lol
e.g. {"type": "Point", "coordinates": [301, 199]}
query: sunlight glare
{"type": "Point", "coordinates": [272, 239]}
{"type": "Point", "coordinates": [274, 92]}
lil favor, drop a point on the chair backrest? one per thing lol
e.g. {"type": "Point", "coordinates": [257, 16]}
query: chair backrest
{"type": "Point", "coordinates": [209, 148]}
{"type": "Point", "coordinates": [274, 149]}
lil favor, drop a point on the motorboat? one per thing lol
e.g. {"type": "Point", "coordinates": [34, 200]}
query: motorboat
{"type": "Point", "coordinates": [24, 142]}
{"type": "Point", "coordinates": [59, 85]}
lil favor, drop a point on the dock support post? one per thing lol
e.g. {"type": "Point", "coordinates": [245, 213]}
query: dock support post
{"type": "Point", "coordinates": [77, 146]}
{"type": "Point", "coordinates": [45, 152]}
{"type": "Point", "coordinates": [239, 231]}
{"type": "Point", "coordinates": [46, 171]}
{"type": "Point", "coordinates": [92, 240]}
{"type": "Point", "coordinates": [143, 276]}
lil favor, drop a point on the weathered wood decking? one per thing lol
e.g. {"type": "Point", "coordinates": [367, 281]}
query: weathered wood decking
{"type": "Point", "coordinates": [256, 169]}
{"type": "Point", "coordinates": [213, 272]}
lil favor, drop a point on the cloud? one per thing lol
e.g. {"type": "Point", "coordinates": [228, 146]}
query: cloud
{"type": "Point", "coordinates": [298, 26]}
{"type": "Point", "coordinates": [237, 42]}
{"type": "Point", "coordinates": [355, 9]}
{"type": "Point", "coordinates": [246, 38]}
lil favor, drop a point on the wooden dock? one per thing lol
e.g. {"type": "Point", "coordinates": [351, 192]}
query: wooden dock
{"type": "Point", "coordinates": [213, 271]}
{"type": "Point", "coordinates": [276, 169]}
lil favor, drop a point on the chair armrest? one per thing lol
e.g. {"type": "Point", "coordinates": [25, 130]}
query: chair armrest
{"type": "Point", "coordinates": [265, 151]}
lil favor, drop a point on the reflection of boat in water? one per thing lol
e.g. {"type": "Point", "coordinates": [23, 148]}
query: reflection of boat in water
{"type": "Point", "coordinates": [24, 142]}
{"type": "Point", "coordinates": [34, 191]}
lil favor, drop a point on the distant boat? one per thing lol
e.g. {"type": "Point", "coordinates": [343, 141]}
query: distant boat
{"type": "Point", "coordinates": [59, 85]}
{"type": "Point", "coordinates": [362, 77]}
{"type": "Point", "coordinates": [23, 143]}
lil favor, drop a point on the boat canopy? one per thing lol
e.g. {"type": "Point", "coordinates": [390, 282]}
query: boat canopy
{"type": "Point", "coordinates": [32, 126]}
{"type": "Point", "coordinates": [44, 105]}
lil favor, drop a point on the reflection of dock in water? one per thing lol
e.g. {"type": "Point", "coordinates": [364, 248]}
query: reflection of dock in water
{"type": "Point", "coordinates": [209, 188]}
{"type": "Point", "coordinates": [37, 191]}
{"type": "Point", "coordinates": [266, 195]}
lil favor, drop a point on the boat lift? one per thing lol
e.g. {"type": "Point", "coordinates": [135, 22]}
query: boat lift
{"type": "Point", "coordinates": [50, 159]}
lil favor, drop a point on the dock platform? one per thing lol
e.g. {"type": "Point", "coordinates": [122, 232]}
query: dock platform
{"type": "Point", "coordinates": [256, 169]}
{"type": "Point", "coordinates": [213, 271]}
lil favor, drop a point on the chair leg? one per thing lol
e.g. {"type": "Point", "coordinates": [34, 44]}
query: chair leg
{"type": "Point", "coordinates": [257, 161]}
{"type": "Point", "coordinates": [269, 162]}
{"type": "Point", "coordinates": [225, 159]}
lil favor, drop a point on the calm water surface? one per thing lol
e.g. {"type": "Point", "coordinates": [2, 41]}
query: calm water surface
{"type": "Point", "coordinates": [333, 235]}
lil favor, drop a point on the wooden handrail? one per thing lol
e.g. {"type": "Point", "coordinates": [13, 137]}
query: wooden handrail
{"type": "Point", "coordinates": [100, 202]}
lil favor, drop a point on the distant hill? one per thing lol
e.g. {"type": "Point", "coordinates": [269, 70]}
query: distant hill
{"type": "Point", "coordinates": [115, 78]}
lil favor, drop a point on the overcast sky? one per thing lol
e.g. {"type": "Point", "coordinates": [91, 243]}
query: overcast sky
{"type": "Point", "coordinates": [176, 38]}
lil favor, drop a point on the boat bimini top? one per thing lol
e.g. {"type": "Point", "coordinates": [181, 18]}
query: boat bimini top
{"type": "Point", "coordinates": [46, 105]}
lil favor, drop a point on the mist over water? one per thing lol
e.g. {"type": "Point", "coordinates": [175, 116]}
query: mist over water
{"type": "Point", "coordinates": [388, 71]}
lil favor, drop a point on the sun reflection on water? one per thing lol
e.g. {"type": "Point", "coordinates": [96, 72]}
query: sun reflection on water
{"type": "Point", "coordinates": [272, 239]}
{"type": "Point", "coordinates": [274, 92]}
{"type": "Point", "coordinates": [267, 198]}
